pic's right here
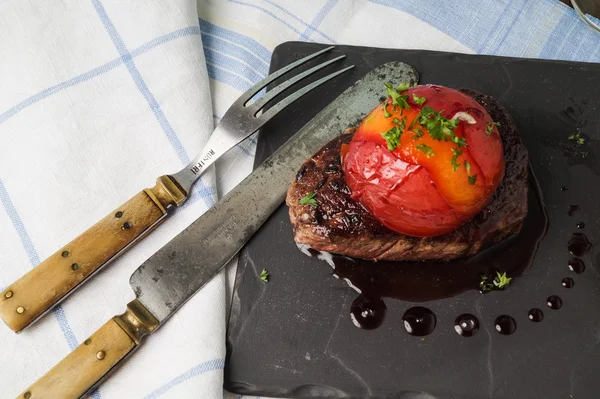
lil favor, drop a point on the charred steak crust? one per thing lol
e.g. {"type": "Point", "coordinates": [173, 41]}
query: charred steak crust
{"type": "Point", "coordinates": [341, 225]}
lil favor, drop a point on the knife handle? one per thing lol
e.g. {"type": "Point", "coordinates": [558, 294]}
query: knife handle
{"type": "Point", "coordinates": [92, 361]}
{"type": "Point", "coordinates": [51, 281]}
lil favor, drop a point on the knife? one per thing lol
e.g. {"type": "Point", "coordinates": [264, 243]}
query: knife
{"type": "Point", "coordinates": [43, 287]}
{"type": "Point", "coordinates": [169, 278]}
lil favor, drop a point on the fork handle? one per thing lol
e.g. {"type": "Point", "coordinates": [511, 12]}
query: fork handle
{"type": "Point", "coordinates": [51, 281]}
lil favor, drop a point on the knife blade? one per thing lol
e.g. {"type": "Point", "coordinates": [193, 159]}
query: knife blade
{"type": "Point", "coordinates": [169, 278]}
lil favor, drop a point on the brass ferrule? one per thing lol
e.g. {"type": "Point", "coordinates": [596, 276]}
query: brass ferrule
{"type": "Point", "coordinates": [176, 193]}
{"type": "Point", "coordinates": [137, 321]}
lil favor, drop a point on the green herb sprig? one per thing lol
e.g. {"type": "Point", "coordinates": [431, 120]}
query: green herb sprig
{"type": "Point", "coordinates": [264, 275]}
{"type": "Point", "coordinates": [454, 160]}
{"type": "Point", "coordinates": [490, 127]}
{"type": "Point", "coordinates": [472, 179]}
{"type": "Point", "coordinates": [393, 136]}
{"type": "Point", "coordinates": [309, 199]}
{"type": "Point", "coordinates": [419, 100]}
{"type": "Point", "coordinates": [426, 149]}
{"type": "Point", "coordinates": [577, 138]}
{"type": "Point", "coordinates": [499, 282]}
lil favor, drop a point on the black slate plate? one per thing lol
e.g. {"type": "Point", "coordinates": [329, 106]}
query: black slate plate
{"type": "Point", "coordinates": [293, 337]}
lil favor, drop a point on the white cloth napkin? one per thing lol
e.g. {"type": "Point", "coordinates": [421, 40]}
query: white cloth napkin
{"type": "Point", "coordinates": [99, 97]}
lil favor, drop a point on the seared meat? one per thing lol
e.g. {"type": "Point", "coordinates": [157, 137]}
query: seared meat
{"type": "Point", "coordinates": [339, 224]}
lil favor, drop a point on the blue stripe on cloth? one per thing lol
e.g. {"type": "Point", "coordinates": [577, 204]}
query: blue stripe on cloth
{"type": "Point", "coordinates": [228, 77]}
{"type": "Point", "coordinates": [179, 33]}
{"type": "Point", "coordinates": [512, 28]}
{"type": "Point", "coordinates": [243, 149]}
{"type": "Point", "coordinates": [234, 50]}
{"type": "Point", "coordinates": [312, 27]}
{"type": "Point", "coordinates": [254, 47]}
{"type": "Point", "coordinates": [572, 39]}
{"type": "Point", "coordinates": [215, 364]}
{"type": "Point", "coordinates": [140, 83]}
{"type": "Point", "coordinates": [233, 64]}
{"type": "Point", "coordinates": [34, 259]}
{"type": "Point", "coordinates": [109, 66]}
{"type": "Point", "coordinates": [269, 13]}
{"type": "Point", "coordinates": [316, 22]}
{"type": "Point", "coordinates": [150, 99]}
{"type": "Point", "coordinates": [208, 193]}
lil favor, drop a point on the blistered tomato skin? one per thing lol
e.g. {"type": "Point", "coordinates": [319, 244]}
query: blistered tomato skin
{"type": "Point", "coordinates": [420, 193]}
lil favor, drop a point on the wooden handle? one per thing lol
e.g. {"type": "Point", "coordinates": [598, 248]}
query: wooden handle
{"type": "Point", "coordinates": [92, 361]}
{"type": "Point", "coordinates": [48, 283]}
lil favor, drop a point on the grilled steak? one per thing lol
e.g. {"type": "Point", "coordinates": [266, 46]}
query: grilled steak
{"type": "Point", "coordinates": [339, 224]}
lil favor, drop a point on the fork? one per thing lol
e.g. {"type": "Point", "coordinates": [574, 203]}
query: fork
{"type": "Point", "coordinates": [38, 291]}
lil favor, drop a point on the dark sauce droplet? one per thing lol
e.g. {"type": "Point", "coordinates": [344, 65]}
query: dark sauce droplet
{"type": "Point", "coordinates": [466, 325]}
{"type": "Point", "coordinates": [572, 209]}
{"type": "Point", "coordinates": [367, 313]}
{"type": "Point", "coordinates": [579, 244]}
{"type": "Point", "coordinates": [576, 265]}
{"type": "Point", "coordinates": [554, 302]}
{"type": "Point", "coordinates": [564, 188]}
{"type": "Point", "coordinates": [580, 225]}
{"type": "Point", "coordinates": [505, 325]}
{"type": "Point", "coordinates": [568, 282]}
{"type": "Point", "coordinates": [536, 315]}
{"type": "Point", "coordinates": [419, 321]}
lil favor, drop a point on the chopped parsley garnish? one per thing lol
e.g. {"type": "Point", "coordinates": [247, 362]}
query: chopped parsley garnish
{"type": "Point", "coordinates": [264, 275]}
{"type": "Point", "coordinates": [484, 285]}
{"type": "Point", "coordinates": [394, 93]}
{"type": "Point", "coordinates": [490, 127]}
{"type": "Point", "coordinates": [426, 149]}
{"type": "Point", "coordinates": [385, 111]}
{"type": "Point", "coordinates": [403, 87]}
{"type": "Point", "coordinates": [413, 123]}
{"type": "Point", "coordinates": [401, 123]}
{"type": "Point", "coordinates": [392, 137]}
{"type": "Point", "coordinates": [460, 141]}
{"type": "Point", "coordinates": [499, 282]}
{"type": "Point", "coordinates": [419, 100]}
{"type": "Point", "coordinates": [309, 199]}
{"type": "Point", "coordinates": [368, 119]}
{"type": "Point", "coordinates": [453, 161]}
{"type": "Point", "coordinates": [577, 137]}
{"type": "Point", "coordinates": [585, 154]}
{"type": "Point", "coordinates": [472, 179]}
{"type": "Point", "coordinates": [418, 134]}
{"type": "Point", "coordinates": [440, 127]}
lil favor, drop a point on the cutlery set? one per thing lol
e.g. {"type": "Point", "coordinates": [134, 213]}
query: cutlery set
{"type": "Point", "coordinates": [164, 282]}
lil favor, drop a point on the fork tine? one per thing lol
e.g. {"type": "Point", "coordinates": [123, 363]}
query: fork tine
{"type": "Point", "coordinates": [257, 87]}
{"type": "Point", "coordinates": [274, 110]}
{"type": "Point", "coordinates": [258, 104]}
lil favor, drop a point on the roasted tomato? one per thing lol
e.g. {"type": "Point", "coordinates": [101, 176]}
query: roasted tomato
{"type": "Point", "coordinates": [425, 161]}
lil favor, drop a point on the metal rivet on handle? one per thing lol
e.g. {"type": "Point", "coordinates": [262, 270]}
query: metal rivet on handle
{"type": "Point", "coordinates": [87, 341]}
{"type": "Point", "coordinates": [65, 254]}
{"type": "Point", "coordinates": [74, 266]}
{"type": "Point", "coordinates": [27, 395]}
{"type": "Point", "coordinates": [118, 214]}
{"type": "Point", "coordinates": [101, 355]}
{"type": "Point", "coordinates": [20, 310]}
{"type": "Point", "coordinates": [8, 294]}
{"type": "Point", "coordinates": [126, 226]}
